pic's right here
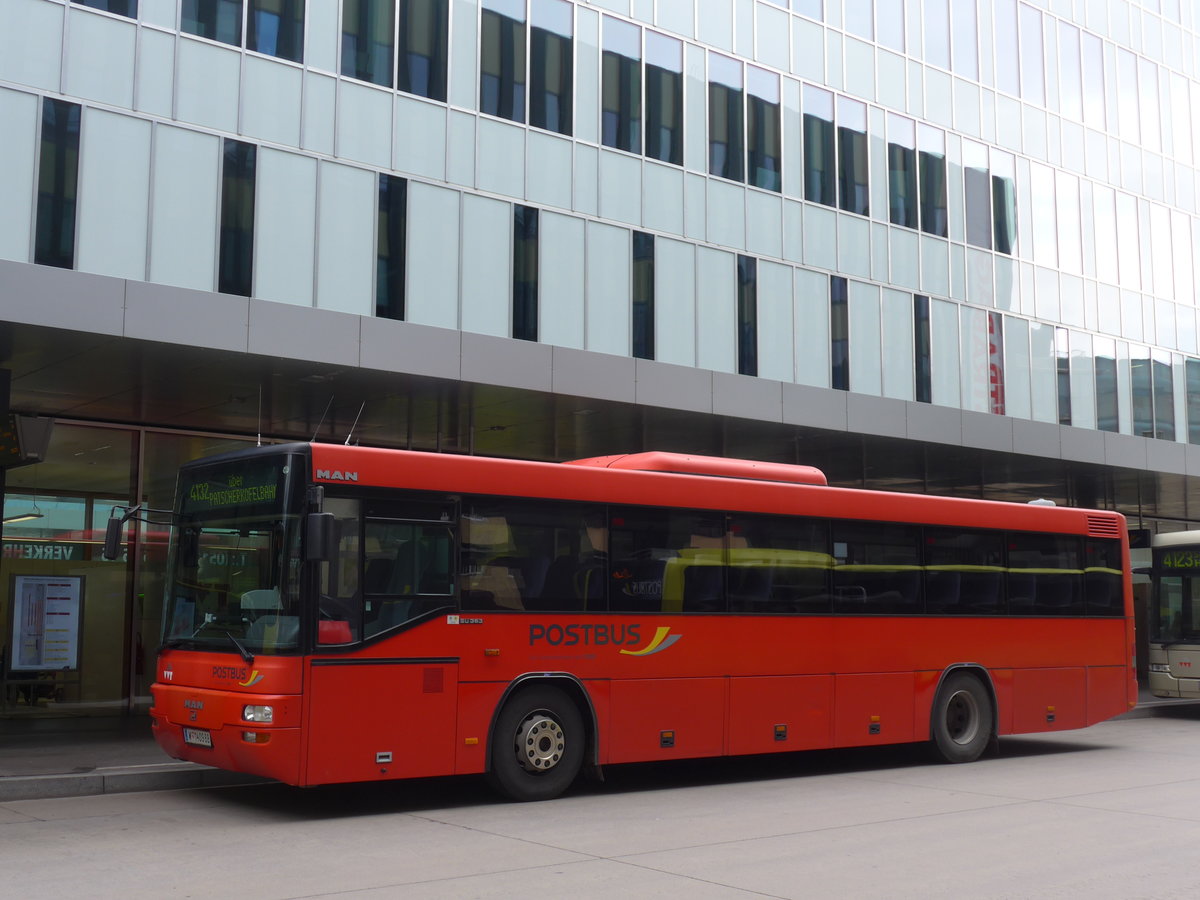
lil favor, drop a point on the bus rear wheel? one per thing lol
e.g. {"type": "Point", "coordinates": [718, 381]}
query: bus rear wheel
{"type": "Point", "coordinates": [961, 724]}
{"type": "Point", "coordinates": [537, 747]}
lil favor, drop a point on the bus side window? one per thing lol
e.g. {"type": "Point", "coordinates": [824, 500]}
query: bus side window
{"type": "Point", "coordinates": [341, 599]}
{"type": "Point", "coordinates": [666, 561]}
{"type": "Point", "coordinates": [1102, 578]}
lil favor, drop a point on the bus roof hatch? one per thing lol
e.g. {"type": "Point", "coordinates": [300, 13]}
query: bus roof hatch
{"type": "Point", "coordinates": [687, 464]}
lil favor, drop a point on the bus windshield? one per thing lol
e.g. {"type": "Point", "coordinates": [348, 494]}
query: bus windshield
{"type": "Point", "coordinates": [235, 558]}
{"type": "Point", "coordinates": [1176, 614]}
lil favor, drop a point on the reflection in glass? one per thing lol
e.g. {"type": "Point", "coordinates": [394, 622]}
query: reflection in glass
{"type": "Point", "coordinates": [235, 270]}
{"type": "Point", "coordinates": [931, 146]}
{"type": "Point", "coordinates": [1004, 202]}
{"type": "Point", "coordinates": [1008, 71]}
{"type": "Point", "coordinates": [1192, 369]}
{"type": "Point", "coordinates": [525, 273]}
{"type": "Point", "coordinates": [1032, 58]}
{"type": "Point", "coordinates": [853, 193]}
{"type": "Point", "coordinates": [937, 32]}
{"type": "Point", "coordinates": [1106, 384]}
{"type": "Point", "coordinates": [1070, 84]}
{"type": "Point", "coordinates": [839, 333]}
{"type": "Point", "coordinates": [762, 100]}
{"type": "Point", "coordinates": [922, 355]}
{"type": "Point", "coordinates": [818, 146]}
{"type": "Point", "coordinates": [747, 313]}
{"type": "Point", "coordinates": [902, 171]}
{"type": "Point", "coordinates": [1164, 396]}
{"type": "Point", "coordinates": [502, 60]}
{"type": "Point", "coordinates": [1062, 359]}
{"type": "Point", "coordinates": [1093, 80]}
{"type": "Point", "coordinates": [217, 20]}
{"type": "Point", "coordinates": [725, 129]}
{"type": "Point", "coordinates": [368, 30]}
{"type": "Point", "coordinates": [889, 24]}
{"type": "Point", "coordinates": [550, 67]}
{"type": "Point", "coordinates": [977, 194]}
{"type": "Point", "coordinates": [996, 363]}
{"type": "Point", "coordinates": [643, 295]}
{"type": "Point", "coordinates": [120, 7]}
{"type": "Point", "coordinates": [621, 88]}
{"type": "Point", "coordinates": [1142, 390]}
{"type": "Point", "coordinates": [58, 178]}
{"type": "Point", "coordinates": [390, 247]}
{"type": "Point", "coordinates": [422, 48]}
{"type": "Point", "coordinates": [276, 27]}
{"type": "Point", "coordinates": [664, 98]}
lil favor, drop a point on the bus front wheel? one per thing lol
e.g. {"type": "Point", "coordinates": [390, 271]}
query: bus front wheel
{"type": "Point", "coordinates": [961, 724]}
{"type": "Point", "coordinates": [537, 747]}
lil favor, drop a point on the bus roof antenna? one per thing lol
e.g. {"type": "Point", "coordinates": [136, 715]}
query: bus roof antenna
{"type": "Point", "coordinates": [323, 415]}
{"type": "Point", "coordinates": [350, 434]}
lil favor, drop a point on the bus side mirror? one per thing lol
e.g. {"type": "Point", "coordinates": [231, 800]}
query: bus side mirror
{"type": "Point", "coordinates": [112, 538]}
{"type": "Point", "coordinates": [320, 538]}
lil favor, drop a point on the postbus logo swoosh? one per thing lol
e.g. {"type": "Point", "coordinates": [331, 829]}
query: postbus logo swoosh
{"type": "Point", "coordinates": [254, 678]}
{"type": "Point", "coordinates": [659, 643]}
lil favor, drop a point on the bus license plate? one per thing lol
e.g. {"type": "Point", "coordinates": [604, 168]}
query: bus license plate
{"type": "Point", "coordinates": [197, 738]}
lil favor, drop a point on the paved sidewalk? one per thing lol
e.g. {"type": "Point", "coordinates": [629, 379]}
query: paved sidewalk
{"type": "Point", "coordinates": [71, 757]}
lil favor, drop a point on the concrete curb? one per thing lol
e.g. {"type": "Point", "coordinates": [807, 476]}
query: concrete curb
{"type": "Point", "coordinates": [120, 781]}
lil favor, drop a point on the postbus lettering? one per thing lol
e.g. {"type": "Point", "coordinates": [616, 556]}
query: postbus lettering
{"type": "Point", "coordinates": [232, 672]}
{"type": "Point", "coordinates": [584, 635]}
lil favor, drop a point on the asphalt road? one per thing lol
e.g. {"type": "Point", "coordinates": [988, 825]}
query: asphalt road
{"type": "Point", "coordinates": [1109, 812]}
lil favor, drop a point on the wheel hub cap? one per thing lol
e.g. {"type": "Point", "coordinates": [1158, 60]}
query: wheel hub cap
{"type": "Point", "coordinates": [540, 743]}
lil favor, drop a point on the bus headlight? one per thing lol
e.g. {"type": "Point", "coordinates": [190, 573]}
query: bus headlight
{"type": "Point", "coordinates": [264, 714]}
{"type": "Point", "coordinates": [1160, 668]}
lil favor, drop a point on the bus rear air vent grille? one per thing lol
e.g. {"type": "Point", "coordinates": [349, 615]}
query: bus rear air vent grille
{"type": "Point", "coordinates": [1103, 526]}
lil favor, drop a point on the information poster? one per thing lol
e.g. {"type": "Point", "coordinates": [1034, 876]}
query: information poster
{"type": "Point", "coordinates": [45, 631]}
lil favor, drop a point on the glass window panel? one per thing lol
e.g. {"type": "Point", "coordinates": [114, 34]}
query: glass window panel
{"type": "Point", "coordinates": [1128, 245]}
{"type": "Point", "coordinates": [1033, 75]}
{"type": "Point", "coordinates": [819, 166]}
{"type": "Point", "coordinates": [1105, 350]}
{"type": "Point", "coordinates": [889, 24]}
{"type": "Point", "coordinates": [422, 48]}
{"type": "Point", "coordinates": [390, 247]}
{"type": "Point", "coordinates": [747, 311]}
{"type": "Point", "coordinates": [763, 145]}
{"type": "Point", "coordinates": [853, 190]}
{"type": "Point", "coordinates": [778, 565]}
{"type": "Point", "coordinates": [966, 37]}
{"type": "Point", "coordinates": [525, 273]}
{"type": "Point", "coordinates": [936, 21]}
{"type": "Point", "coordinates": [977, 194]}
{"type": "Point", "coordinates": [1045, 219]}
{"type": "Point", "coordinates": [1008, 72]}
{"type": "Point", "coordinates": [1045, 575]}
{"type": "Point", "coordinates": [856, 16]}
{"type": "Point", "coordinates": [921, 349]}
{"type": "Point", "coordinates": [236, 265]}
{"type": "Point", "coordinates": [621, 90]}
{"type": "Point", "coordinates": [643, 295]}
{"type": "Point", "coordinates": [1102, 578]}
{"type": "Point", "coordinates": [368, 33]}
{"type": "Point", "coordinates": [839, 333]}
{"type": "Point", "coordinates": [217, 20]}
{"type": "Point", "coordinates": [1161, 268]}
{"type": "Point", "coordinates": [1104, 222]}
{"type": "Point", "coordinates": [1070, 74]}
{"type": "Point", "coordinates": [1062, 359]}
{"type": "Point", "coordinates": [931, 145]}
{"type": "Point", "coordinates": [1141, 386]}
{"type": "Point", "coordinates": [502, 61]}
{"type": "Point", "coordinates": [726, 148]}
{"type": "Point", "coordinates": [664, 98]}
{"type": "Point", "coordinates": [1164, 396]}
{"type": "Point", "coordinates": [1093, 80]}
{"type": "Point", "coordinates": [120, 7]}
{"type": "Point", "coordinates": [876, 568]}
{"type": "Point", "coordinates": [666, 560]}
{"type": "Point", "coordinates": [996, 386]}
{"type": "Point", "coordinates": [902, 171]}
{"type": "Point", "coordinates": [1148, 102]}
{"type": "Point", "coordinates": [811, 8]}
{"type": "Point", "coordinates": [58, 183]}
{"type": "Point", "coordinates": [1192, 373]}
{"type": "Point", "coordinates": [1127, 95]}
{"type": "Point", "coordinates": [1004, 201]}
{"type": "Point", "coordinates": [276, 27]}
{"type": "Point", "coordinates": [964, 572]}
{"type": "Point", "coordinates": [1181, 118]}
{"type": "Point", "coordinates": [1181, 241]}
{"type": "Point", "coordinates": [1070, 246]}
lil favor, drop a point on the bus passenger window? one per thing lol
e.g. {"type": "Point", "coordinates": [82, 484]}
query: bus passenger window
{"type": "Point", "coordinates": [340, 599]}
{"type": "Point", "coordinates": [964, 572]}
{"type": "Point", "coordinates": [1045, 574]}
{"type": "Point", "coordinates": [667, 561]}
{"type": "Point", "coordinates": [1103, 584]}
{"type": "Point", "coordinates": [779, 565]}
{"type": "Point", "coordinates": [877, 568]}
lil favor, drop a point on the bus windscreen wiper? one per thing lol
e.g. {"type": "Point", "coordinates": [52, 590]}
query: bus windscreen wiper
{"type": "Point", "coordinates": [246, 654]}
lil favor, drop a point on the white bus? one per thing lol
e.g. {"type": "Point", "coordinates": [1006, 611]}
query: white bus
{"type": "Point", "coordinates": [1175, 615]}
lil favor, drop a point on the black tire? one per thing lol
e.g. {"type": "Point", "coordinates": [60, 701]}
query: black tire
{"type": "Point", "coordinates": [537, 747]}
{"type": "Point", "coordinates": [961, 723]}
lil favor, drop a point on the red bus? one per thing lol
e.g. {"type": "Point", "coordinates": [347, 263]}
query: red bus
{"type": "Point", "coordinates": [338, 614]}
